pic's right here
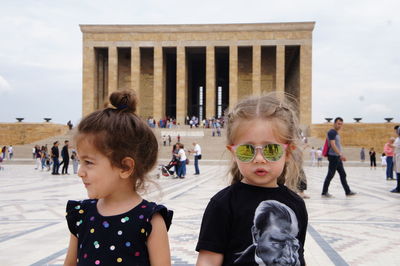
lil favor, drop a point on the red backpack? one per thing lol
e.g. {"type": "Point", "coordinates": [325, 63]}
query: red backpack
{"type": "Point", "coordinates": [326, 148]}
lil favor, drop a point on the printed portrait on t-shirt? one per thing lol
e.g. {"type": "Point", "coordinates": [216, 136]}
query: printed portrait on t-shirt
{"type": "Point", "coordinates": [274, 234]}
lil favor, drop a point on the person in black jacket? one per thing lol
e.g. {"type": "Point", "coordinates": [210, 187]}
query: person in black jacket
{"type": "Point", "coordinates": [65, 157]}
{"type": "Point", "coordinates": [55, 153]}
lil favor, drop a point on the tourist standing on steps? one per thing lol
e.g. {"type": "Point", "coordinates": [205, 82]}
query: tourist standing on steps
{"type": "Point", "coordinates": [10, 152]}
{"type": "Point", "coordinates": [75, 161]}
{"type": "Point", "coordinates": [362, 155]}
{"type": "Point", "coordinates": [336, 159]}
{"type": "Point", "coordinates": [319, 157]}
{"type": "Point", "coordinates": [313, 155]}
{"type": "Point", "coordinates": [388, 149]}
{"type": "Point", "coordinates": [55, 153]}
{"type": "Point", "coordinates": [182, 161]}
{"type": "Point", "coordinates": [3, 151]}
{"type": "Point", "coordinates": [197, 156]}
{"type": "Point", "coordinates": [65, 157]}
{"type": "Point", "coordinates": [372, 158]}
{"type": "Point", "coordinates": [396, 157]}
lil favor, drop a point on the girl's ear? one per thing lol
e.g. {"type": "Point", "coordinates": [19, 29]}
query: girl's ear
{"type": "Point", "coordinates": [289, 150]}
{"type": "Point", "coordinates": [128, 166]}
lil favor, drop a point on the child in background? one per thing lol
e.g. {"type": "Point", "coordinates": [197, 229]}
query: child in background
{"type": "Point", "coordinates": [75, 161]}
{"type": "Point", "coordinates": [258, 220]}
{"type": "Point", "coordinates": [319, 157]}
{"type": "Point", "coordinates": [383, 160]}
{"type": "Point", "coordinates": [115, 225]}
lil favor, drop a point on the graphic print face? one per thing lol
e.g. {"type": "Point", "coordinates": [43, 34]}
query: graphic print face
{"type": "Point", "coordinates": [274, 234]}
{"type": "Point", "coordinates": [278, 245]}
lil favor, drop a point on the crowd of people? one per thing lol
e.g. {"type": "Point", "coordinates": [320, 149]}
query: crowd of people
{"type": "Point", "coordinates": [194, 122]}
{"type": "Point", "coordinates": [7, 151]}
{"type": "Point", "coordinates": [49, 159]}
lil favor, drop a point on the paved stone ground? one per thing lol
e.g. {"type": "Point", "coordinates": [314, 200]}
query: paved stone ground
{"type": "Point", "coordinates": [361, 230]}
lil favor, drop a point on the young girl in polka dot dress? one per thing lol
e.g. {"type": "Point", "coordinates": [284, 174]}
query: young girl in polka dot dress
{"type": "Point", "coordinates": [115, 226]}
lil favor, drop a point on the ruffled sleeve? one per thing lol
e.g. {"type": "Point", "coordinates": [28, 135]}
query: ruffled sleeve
{"type": "Point", "coordinates": [73, 216]}
{"type": "Point", "coordinates": [164, 212]}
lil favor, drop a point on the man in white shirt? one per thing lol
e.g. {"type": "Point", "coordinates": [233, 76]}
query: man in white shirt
{"type": "Point", "coordinates": [197, 156]}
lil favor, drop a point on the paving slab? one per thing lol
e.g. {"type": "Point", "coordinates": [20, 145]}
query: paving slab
{"type": "Point", "coordinates": [359, 230]}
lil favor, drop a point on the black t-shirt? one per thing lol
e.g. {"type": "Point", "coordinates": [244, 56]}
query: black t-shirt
{"type": "Point", "coordinates": [55, 152]}
{"type": "Point", "coordinates": [279, 233]}
{"type": "Point", "coordinates": [65, 153]}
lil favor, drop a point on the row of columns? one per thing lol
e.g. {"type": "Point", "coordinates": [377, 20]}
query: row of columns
{"type": "Point", "coordinates": [181, 84]}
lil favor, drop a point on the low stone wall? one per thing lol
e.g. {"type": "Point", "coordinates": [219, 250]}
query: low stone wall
{"type": "Point", "coordinates": [365, 135]}
{"type": "Point", "coordinates": [24, 133]}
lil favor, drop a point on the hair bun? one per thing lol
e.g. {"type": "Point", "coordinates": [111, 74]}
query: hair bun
{"type": "Point", "coordinates": [125, 100]}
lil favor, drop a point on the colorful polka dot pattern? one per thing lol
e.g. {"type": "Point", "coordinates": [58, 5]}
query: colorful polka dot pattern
{"type": "Point", "coordinates": [106, 242]}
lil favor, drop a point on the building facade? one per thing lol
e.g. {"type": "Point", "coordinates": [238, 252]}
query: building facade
{"type": "Point", "coordinates": [186, 70]}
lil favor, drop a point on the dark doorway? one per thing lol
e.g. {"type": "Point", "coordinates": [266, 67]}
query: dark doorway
{"type": "Point", "coordinates": [222, 80]}
{"type": "Point", "coordinates": [101, 76]}
{"type": "Point", "coordinates": [196, 70]}
{"type": "Point", "coordinates": [292, 70]}
{"type": "Point", "coordinates": [170, 80]}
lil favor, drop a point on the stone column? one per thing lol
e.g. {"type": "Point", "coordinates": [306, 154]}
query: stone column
{"type": "Point", "coordinates": [158, 92]}
{"type": "Point", "coordinates": [256, 69]}
{"type": "Point", "coordinates": [181, 91]}
{"type": "Point", "coordinates": [135, 73]}
{"type": "Point", "coordinates": [89, 94]}
{"type": "Point", "coordinates": [305, 84]}
{"type": "Point", "coordinates": [210, 82]}
{"type": "Point", "coordinates": [233, 75]}
{"type": "Point", "coordinates": [280, 68]}
{"type": "Point", "coordinates": [112, 69]}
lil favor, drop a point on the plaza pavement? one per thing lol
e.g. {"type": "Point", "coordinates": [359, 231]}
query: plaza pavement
{"type": "Point", "coordinates": [359, 230]}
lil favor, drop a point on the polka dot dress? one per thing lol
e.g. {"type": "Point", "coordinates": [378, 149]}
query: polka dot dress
{"type": "Point", "coordinates": [113, 240]}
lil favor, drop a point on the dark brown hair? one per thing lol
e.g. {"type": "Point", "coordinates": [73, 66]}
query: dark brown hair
{"type": "Point", "coordinates": [280, 110]}
{"type": "Point", "coordinates": [117, 132]}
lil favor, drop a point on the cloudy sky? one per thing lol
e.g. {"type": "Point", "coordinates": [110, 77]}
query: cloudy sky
{"type": "Point", "coordinates": [356, 59]}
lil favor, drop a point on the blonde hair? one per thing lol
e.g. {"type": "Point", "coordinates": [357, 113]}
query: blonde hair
{"type": "Point", "coordinates": [282, 111]}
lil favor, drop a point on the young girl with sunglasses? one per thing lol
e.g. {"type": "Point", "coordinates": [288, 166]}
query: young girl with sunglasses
{"type": "Point", "coordinates": [115, 226]}
{"type": "Point", "coordinates": [258, 219]}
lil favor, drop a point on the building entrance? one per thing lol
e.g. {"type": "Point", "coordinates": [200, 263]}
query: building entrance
{"type": "Point", "coordinates": [170, 82]}
{"type": "Point", "coordinates": [196, 76]}
{"type": "Point", "coordinates": [222, 80]}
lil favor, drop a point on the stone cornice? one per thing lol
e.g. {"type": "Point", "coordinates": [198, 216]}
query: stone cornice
{"type": "Point", "coordinates": [179, 28]}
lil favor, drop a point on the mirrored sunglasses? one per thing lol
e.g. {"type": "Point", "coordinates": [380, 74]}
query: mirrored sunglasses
{"type": "Point", "coordinates": [271, 152]}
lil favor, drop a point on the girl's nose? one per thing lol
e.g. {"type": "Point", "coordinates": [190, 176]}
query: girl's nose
{"type": "Point", "coordinates": [81, 173]}
{"type": "Point", "coordinates": [259, 158]}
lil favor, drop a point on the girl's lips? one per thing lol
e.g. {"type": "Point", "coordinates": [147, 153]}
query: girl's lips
{"type": "Point", "coordinates": [260, 172]}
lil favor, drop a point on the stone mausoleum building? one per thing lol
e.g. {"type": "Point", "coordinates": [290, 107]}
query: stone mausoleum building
{"type": "Point", "coordinates": [180, 70]}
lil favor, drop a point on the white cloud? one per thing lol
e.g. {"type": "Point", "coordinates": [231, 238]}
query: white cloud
{"type": "Point", "coordinates": [377, 108]}
{"type": "Point", "coordinates": [4, 85]}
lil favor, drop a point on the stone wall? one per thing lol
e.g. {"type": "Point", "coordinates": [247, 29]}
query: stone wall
{"type": "Point", "coordinates": [24, 133]}
{"type": "Point", "coordinates": [268, 69]}
{"type": "Point", "coordinates": [359, 134]}
{"type": "Point", "coordinates": [244, 71]}
{"type": "Point", "coordinates": [146, 82]}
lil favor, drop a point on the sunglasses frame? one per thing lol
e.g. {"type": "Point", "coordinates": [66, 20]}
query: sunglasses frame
{"type": "Point", "coordinates": [257, 147]}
